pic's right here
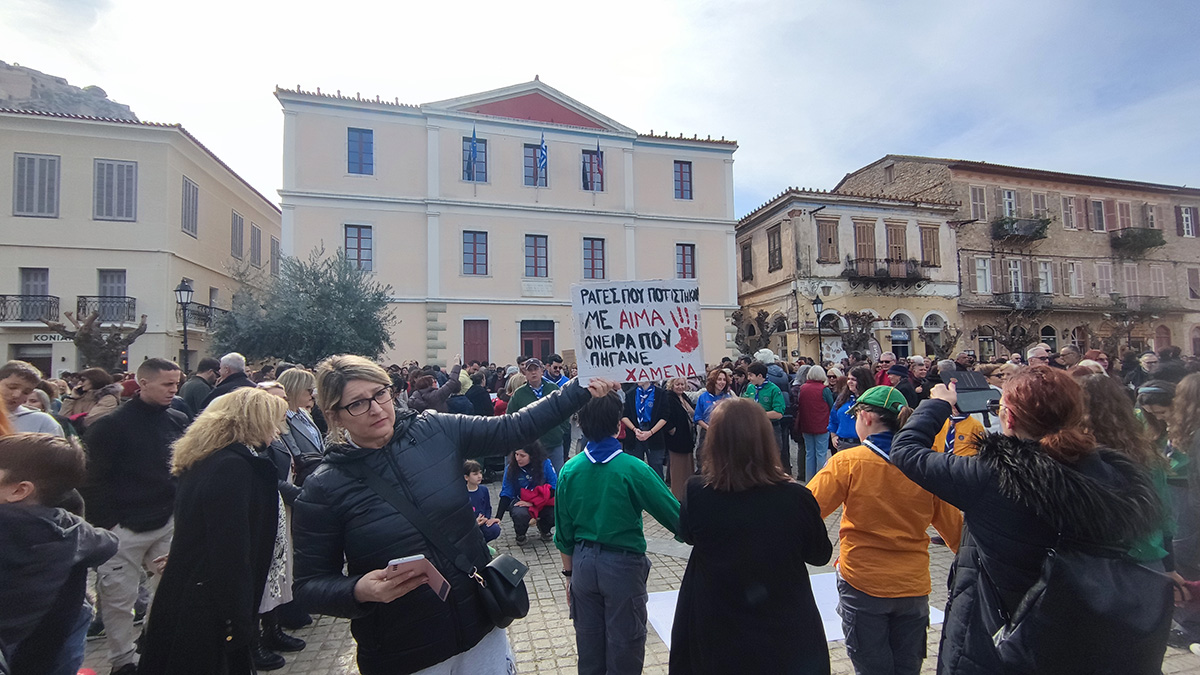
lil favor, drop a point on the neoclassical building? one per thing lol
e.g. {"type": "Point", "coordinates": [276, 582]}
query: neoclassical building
{"type": "Point", "coordinates": [481, 211]}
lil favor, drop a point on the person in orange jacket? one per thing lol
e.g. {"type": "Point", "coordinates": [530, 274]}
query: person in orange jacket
{"type": "Point", "coordinates": [883, 561]}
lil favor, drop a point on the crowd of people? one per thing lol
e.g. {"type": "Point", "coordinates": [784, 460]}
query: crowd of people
{"type": "Point", "coordinates": [230, 504]}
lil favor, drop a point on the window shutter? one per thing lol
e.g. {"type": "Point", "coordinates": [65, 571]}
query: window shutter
{"type": "Point", "coordinates": [1019, 203]}
{"type": "Point", "coordinates": [1026, 277]}
{"type": "Point", "coordinates": [1081, 214]}
{"type": "Point", "coordinates": [999, 203]}
{"type": "Point", "coordinates": [1193, 283]}
{"type": "Point", "coordinates": [1179, 220]}
{"type": "Point", "coordinates": [1146, 214]}
{"type": "Point", "coordinates": [997, 275]}
{"type": "Point", "coordinates": [1195, 221]}
{"type": "Point", "coordinates": [1055, 280]}
{"type": "Point", "coordinates": [1064, 278]}
{"type": "Point", "coordinates": [1110, 215]}
{"type": "Point", "coordinates": [972, 286]}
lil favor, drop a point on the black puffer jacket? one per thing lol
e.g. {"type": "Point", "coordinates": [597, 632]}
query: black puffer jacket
{"type": "Point", "coordinates": [1015, 499]}
{"type": "Point", "coordinates": [337, 517]}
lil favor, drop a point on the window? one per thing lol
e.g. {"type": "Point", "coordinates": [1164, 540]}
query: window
{"type": "Point", "coordinates": [359, 247]}
{"type": "Point", "coordinates": [1008, 203]}
{"type": "Point", "coordinates": [864, 240]}
{"type": "Point", "coordinates": [685, 261]}
{"type": "Point", "coordinates": [1104, 280]}
{"type": "Point", "coordinates": [255, 245]}
{"type": "Point", "coordinates": [537, 255]}
{"type": "Point", "coordinates": [930, 253]}
{"type": "Point", "coordinates": [774, 249]}
{"type": "Point", "coordinates": [747, 261]}
{"type": "Point", "coordinates": [475, 253]}
{"type": "Point", "coordinates": [112, 285]}
{"type": "Point", "coordinates": [889, 174]}
{"type": "Point", "coordinates": [214, 295]}
{"type": "Point", "coordinates": [1193, 283]}
{"type": "Point", "coordinates": [360, 151]}
{"type": "Point", "coordinates": [476, 148]}
{"type": "Point", "coordinates": [1045, 277]}
{"type": "Point", "coordinates": [897, 245]}
{"type": "Point", "coordinates": [1152, 216]}
{"type": "Point", "coordinates": [35, 186]}
{"type": "Point", "coordinates": [1131, 279]}
{"type": "Point", "coordinates": [1097, 214]}
{"type": "Point", "coordinates": [1124, 215]}
{"type": "Point", "coordinates": [827, 246]}
{"type": "Point", "coordinates": [1039, 205]}
{"type": "Point", "coordinates": [683, 180]}
{"type": "Point", "coordinates": [978, 204]}
{"type": "Point", "coordinates": [593, 258]}
{"type": "Point", "coordinates": [276, 252]}
{"type": "Point", "coordinates": [983, 276]}
{"type": "Point", "coordinates": [593, 170]}
{"type": "Point", "coordinates": [35, 281]}
{"type": "Point", "coordinates": [1158, 281]}
{"type": "Point", "coordinates": [1068, 213]}
{"type": "Point", "coordinates": [1188, 225]}
{"type": "Point", "coordinates": [1014, 276]}
{"type": "Point", "coordinates": [190, 218]}
{"type": "Point", "coordinates": [535, 173]}
{"type": "Point", "coordinates": [115, 195]}
{"type": "Point", "coordinates": [236, 235]}
{"type": "Point", "coordinates": [1075, 279]}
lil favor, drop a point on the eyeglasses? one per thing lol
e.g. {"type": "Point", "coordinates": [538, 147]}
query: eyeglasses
{"type": "Point", "coordinates": [362, 405]}
{"type": "Point", "coordinates": [993, 407]}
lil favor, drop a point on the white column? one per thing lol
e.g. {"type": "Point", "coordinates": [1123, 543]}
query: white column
{"type": "Point", "coordinates": [433, 274]}
{"type": "Point", "coordinates": [289, 150]}
{"type": "Point", "coordinates": [630, 252]}
{"type": "Point", "coordinates": [287, 235]}
{"type": "Point", "coordinates": [731, 266]}
{"type": "Point", "coordinates": [630, 196]}
{"type": "Point", "coordinates": [729, 193]}
{"type": "Point", "coordinates": [433, 177]}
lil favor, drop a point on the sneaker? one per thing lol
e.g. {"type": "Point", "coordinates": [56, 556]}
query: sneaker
{"type": "Point", "coordinates": [139, 615]}
{"type": "Point", "coordinates": [936, 539]}
{"type": "Point", "coordinates": [96, 630]}
{"type": "Point", "coordinates": [547, 536]}
{"type": "Point", "coordinates": [521, 539]}
{"type": "Point", "coordinates": [265, 659]}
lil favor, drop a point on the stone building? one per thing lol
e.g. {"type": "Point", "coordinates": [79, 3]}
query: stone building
{"type": "Point", "coordinates": [481, 211]}
{"type": "Point", "coordinates": [891, 257]}
{"type": "Point", "coordinates": [103, 215]}
{"type": "Point", "coordinates": [1060, 258]}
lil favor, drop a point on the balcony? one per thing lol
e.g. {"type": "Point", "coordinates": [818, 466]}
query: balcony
{"type": "Point", "coordinates": [200, 316]}
{"type": "Point", "coordinates": [112, 308]}
{"type": "Point", "coordinates": [32, 308]}
{"type": "Point", "coordinates": [1019, 230]}
{"type": "Point", "coordinates": [1142, 303]}
{"type": "Point", "coordinates": [1024, 300]}
{"type": "Point", "coordinates": [1133, 242]}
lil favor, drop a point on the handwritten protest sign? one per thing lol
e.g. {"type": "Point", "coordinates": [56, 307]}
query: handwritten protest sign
{"type": "Point", "coordinates": [637, 330]}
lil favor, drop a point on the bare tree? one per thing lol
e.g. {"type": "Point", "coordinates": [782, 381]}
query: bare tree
{"type": "Point", "coordinates": [101, 346]}
{"type": "Point", "coordinates": [856, 335]}
{"type": "Point", "coordinates": [1017, 329]}
{"type": "Point", "coordinates": [942, 343]}
{"type": "Point", "coordinates": [755, 333]}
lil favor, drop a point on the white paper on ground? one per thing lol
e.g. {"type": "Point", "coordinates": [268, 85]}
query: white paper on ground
{"type": "Point", "coordinates": [660, 609]}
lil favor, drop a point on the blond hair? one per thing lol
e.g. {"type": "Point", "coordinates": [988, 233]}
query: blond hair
{"type": "Point", "coordinates": [332, 376]}
{"type": "Point", "coordinates": [246, 415]}
{"type": "Point", "coordinates": [514, 383]}
{"type": "Point", "coordinates": [295, 381]}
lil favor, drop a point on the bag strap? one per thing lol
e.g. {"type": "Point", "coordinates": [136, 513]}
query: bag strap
{"type": "Point", "coordinates": [418, 520]}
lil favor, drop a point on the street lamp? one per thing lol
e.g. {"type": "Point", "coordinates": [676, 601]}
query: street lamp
{"type": "Point", "coordinates": [183, 296]}
{"type": "Point", "coordinates": [818, 306]}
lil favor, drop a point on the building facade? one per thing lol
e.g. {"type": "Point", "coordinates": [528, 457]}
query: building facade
{"type": "Point", "coordinates": [109, 216]}
{"type": "Point", "coordinates": [481, 211]}
{"type": "Point", "coordinates": [857, 253]}
{"type": "Point", "coordinates": [1061, 258]}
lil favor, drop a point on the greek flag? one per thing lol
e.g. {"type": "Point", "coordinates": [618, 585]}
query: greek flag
{"type": "Point", "coordinates": [542, 159]}
{"type": "Point", "coordinates": [474, 155]}
{"type": "Point", "coordinates": [599, 164]}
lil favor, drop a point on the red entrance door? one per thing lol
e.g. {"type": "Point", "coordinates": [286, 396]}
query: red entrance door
{"type": "Point", "coordinates": [537, 338]}
{"type": "Point", "coordinates": [475, 340]}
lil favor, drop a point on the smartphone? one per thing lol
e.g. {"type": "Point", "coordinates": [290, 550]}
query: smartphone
{"type": "Point", "coordinates": [436, 581]}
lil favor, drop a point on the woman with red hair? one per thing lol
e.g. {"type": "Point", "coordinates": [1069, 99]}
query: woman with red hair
{"type": "Point", "coordinates": [1038, 482]}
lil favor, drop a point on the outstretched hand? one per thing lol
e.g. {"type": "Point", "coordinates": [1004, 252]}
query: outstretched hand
{"type": "Point", "coordinates": [941, 392]}
{"type": "Point", "coordinates": [601, 388]}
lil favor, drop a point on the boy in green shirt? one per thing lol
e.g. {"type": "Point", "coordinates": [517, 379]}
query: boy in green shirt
{"type": "Point", "coordinates": [767, 394]}
{"type": "Point", "coordinates": [598, 529]}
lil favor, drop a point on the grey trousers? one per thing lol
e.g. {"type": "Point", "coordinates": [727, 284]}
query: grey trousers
{"type": "Point", "coordinates": [884, 636]}
{"type": "Point", "coordinates": [120, 577]}
{"type": "Point", "coordinates": [608, 605]}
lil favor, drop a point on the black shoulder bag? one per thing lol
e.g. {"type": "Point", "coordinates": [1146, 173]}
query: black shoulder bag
{"type": "Point", "coordinates": [501, 582]}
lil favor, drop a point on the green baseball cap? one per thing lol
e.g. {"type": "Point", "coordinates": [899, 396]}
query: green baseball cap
{"type": "Point", "coordinates": [888, 398]}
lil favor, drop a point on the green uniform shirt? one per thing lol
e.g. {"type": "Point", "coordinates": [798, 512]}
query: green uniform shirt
{"type": "Point", "coordinates": [524, 395]}
{"type": "Point", "coordinates": [768, 396]}
{"type": "Point", "coordinates": [603, 503]}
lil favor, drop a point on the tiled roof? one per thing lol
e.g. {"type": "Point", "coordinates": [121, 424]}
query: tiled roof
{"type": "Point", "coordinates": [138, 123]}
{"type": "Point", "coordinates": [395, 103]}
{"type": "Point", "coordinates": [820, 194]}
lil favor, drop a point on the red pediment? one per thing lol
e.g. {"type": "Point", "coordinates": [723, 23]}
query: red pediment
{"type": "Point", "coordinates": [536, 107]}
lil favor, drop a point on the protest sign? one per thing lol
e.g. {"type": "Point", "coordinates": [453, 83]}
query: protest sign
{"type": "Point", "coordinates": [637, 330]}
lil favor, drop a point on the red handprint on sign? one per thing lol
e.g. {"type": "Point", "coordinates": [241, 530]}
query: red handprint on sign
{"type": "Point", "coordinates": [688, 325]}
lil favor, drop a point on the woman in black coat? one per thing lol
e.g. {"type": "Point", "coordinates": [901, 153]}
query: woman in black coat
{"type": "Point", "coordinates": [746, 604]}
{"type": "Point", "coordinates": [645, 420]}
{"type": "Point", "coordinates": [1042, 476]}
{"type": "Point", "coordinates": [680, 441]}
{"type": "Point", "coordinates": [203, 619]}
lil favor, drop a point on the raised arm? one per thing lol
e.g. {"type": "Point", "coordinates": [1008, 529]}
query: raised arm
{"type": "Point", "coordinates": [955, 479]}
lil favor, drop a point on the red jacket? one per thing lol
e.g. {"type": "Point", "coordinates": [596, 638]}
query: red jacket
{"type": "Point", "coordinates": [540, 497]}
{"type": "Point", "coordinates": [812, 410]}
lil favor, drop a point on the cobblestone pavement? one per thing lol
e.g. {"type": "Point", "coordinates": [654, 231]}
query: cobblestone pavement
{"type": "Point", "coordinates": [544, 642]}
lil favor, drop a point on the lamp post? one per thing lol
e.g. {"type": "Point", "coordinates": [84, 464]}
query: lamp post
{"type": "Point", "coordinates": [183, 296]}
{"type": "Point", "coordinates": [818, 306]}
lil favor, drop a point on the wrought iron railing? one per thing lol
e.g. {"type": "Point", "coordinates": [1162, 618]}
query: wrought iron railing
{"type": "Point", "coordinates": [884, 268]}
{"type": "Point", "coordinates": [112, 308]}
{"type": "Point", "coordinates": [1024, 300]}
{"type": "Point", "coordinates": [28, 307]}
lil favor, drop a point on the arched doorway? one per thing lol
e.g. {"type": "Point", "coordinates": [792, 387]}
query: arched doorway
{"type": "Point", "coordinates": [901, 335]}
{"type": "Point", "coordinates": [1050, 336]}
{"type": "Point", "coordinates": [987, 343]}
{"type": "Point", "coordinates": [1162, 337]}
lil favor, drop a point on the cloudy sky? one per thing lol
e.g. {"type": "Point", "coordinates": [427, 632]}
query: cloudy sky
{"type": "Point", "coordinates": [810, 90]}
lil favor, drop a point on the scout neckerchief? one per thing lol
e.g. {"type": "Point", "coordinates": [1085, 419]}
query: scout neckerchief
{"type": "Point", "coordinates": [600, 452]}
{"type": "Point", "coordinates": [880, 444]}
{"type": "Point", "coordinates": [645, 402]}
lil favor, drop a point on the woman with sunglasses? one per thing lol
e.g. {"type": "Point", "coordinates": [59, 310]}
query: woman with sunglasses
{"type": "Point", "coordinates": [399, 623]}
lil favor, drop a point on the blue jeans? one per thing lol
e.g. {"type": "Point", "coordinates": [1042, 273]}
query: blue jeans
{"type": "Point", "coordinates": [657, 459]}
{"type": "Point", "coordinates": [70, 656]}
{"type": "Point", "coordinates": [816, 453]}
{"type": "Point", "coordinates": [555, 455]}
{"type": "Point", "coordinates": [608, 606]}
{"type": "Point", "coordinates": [883, 635]}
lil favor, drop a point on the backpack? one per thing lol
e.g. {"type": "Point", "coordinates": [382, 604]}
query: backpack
{"type": "Point", "coordinates": [1092, 610]}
